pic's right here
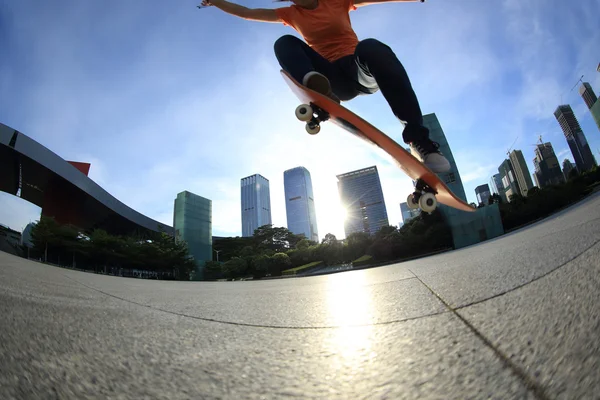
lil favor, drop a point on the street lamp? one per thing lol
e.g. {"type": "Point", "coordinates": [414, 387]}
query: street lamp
{"type": "Point", "coordinates": [217, 251]}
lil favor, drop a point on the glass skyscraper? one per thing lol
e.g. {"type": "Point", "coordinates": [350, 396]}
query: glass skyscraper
{"type": "Point", "coordinates": [521, 171]}
{"type": "Point", "coordinates": [452, 177]}
{"type": "Point", "coordinates": [482, 192]}
{"type": "Point", "coordinates": [467, 227]}
{"type": "Point", "coordinates": [192, 222]}
{"type": "Point", "coordinates": [300, 203]}
{"type": "Point", "coordinates": [547, 167]}
{"type": "Point", "coordinates": [590, 99]}
{"type": "Point", "coordinates": [362, 197]}
{"type": "Point", "coordinates": [407, 213]}
{"type": "Point", "coordinates": [584, 159]}
{"type": "Point", "coordinates": [256, 203]}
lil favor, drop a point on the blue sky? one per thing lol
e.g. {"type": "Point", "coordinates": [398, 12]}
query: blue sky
{"type": "Point", "coordinates": [161, 97]}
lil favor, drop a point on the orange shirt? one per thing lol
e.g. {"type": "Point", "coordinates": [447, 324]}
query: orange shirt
{"type": "Point", "coordinates": [327, 28]}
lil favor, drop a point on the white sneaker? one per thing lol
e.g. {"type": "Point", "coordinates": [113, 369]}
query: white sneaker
{"type": "Point", "coordinates": [429, 154]}
{"type": "Point", "coordinates": [319, 83]}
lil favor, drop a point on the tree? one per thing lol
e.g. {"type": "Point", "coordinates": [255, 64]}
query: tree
{"type": "Point", "coordinates": [358, 243]}
{"type": "Point", "coordinates": [329, 239]}
{"type": "Point", "coordinates": [267, 237]}
{"type": "Point", "coordinates": [234, 268]}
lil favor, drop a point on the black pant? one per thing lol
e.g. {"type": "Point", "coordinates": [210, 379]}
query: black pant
{"type": "Point", "coordinates": [373, 66]}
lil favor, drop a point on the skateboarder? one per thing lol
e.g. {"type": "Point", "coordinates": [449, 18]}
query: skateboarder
{"type": "Point", "coordinates": [334, 62]}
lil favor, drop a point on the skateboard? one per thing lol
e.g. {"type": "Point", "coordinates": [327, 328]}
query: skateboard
{"type": "Point", "coordinates": [429, 189]}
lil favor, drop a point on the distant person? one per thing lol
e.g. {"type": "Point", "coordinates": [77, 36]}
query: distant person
{"type": "Point", "coordinates": [335, 63]}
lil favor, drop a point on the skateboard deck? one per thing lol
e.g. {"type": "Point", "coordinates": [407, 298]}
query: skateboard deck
{"type": "Point", "coordinates": [319, 108]}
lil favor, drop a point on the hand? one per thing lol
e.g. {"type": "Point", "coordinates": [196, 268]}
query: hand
{"type": "Point", "coordinates": [206, 3]}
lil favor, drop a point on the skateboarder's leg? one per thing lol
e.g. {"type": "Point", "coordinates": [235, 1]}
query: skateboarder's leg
{"type": "Point", "coordinates": [299, 59]}
{"type": "Point", "coordinates": [379, 61]}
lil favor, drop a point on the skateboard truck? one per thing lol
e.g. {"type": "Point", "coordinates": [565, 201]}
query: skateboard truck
{"type": "Point", "coordinates": [313, 115]}
{"type": "Point", "coordinates": [423, 197]}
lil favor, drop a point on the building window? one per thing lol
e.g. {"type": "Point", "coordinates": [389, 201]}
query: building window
{"type": "Point", "coordinates": [450, 178]}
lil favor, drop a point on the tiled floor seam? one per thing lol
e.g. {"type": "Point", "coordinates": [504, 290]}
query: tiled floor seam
{"type": "Point", "coordinates": [529, 383]}
{"type": "Point", "coordinates": [255, 325]}
{"type": "Point", "coordinates": [531, 281]}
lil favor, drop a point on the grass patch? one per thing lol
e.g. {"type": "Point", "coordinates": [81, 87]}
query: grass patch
{"type": "Point", "coordinates": [294, 271]}
{"type": "Point", "coordinates": [364, 260]}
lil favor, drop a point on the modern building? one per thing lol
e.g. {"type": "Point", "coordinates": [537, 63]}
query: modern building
{"type": "Point", "coordinates": [26, 235]}
{"type": "Point", "coordinates": [362, 198]}
{"type": "Point", "coordinates": [63, 189]}
{"type": "Point", "coordinates": [192, 221]}
{"type": "Point", "coordinates": [496, 186]}
{"type": "Point", "coordinates": [483, 194]}
{"type": "Point", "coordinates": [567, 168]}
{"type": "Point", "coordinates": [590, 99]}
{"type": "Point", "coordinates": [467, 227]}
{"type": "Point", "coordinates": [510, 186]}
{"type": "Point", "coordinates": [547, 167]}
{"type": "Point", "coordinates": [256, 203]}
{"type": "Point", "coordinates": [407, 213]}
{"type": "Point", "coordinates": [584, 159]}
{"type": "Point", "coordinates": [10, 240]}
{"type": "Point", "coordinates": [521, 172]}
{"type": "Point", "coordinates": [300, 203]}
{"type": "Point", "coordinates": [588, 95]}
{"type": "Point", "coordinates": [452, 177]}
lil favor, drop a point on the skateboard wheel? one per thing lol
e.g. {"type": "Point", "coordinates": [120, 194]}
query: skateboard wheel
{"type": "Point", "coordinates": [313, 129]}
{"type": "Point", "coordinates": [428, 202]}
{"type": "Point", "coordinates": [412, 202]}
{"type": "Point", "coordinates": [304, 112]}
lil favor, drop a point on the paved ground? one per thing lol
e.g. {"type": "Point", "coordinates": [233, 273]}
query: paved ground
{"type": "Point", "coordinates": [515, 317]}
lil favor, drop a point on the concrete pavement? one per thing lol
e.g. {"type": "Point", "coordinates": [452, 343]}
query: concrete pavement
{"type": "Point", "coordinates": [514, 317]}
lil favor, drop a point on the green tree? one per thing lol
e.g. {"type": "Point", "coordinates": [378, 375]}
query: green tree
{"type": "Point", "coordinates": [235, 268]}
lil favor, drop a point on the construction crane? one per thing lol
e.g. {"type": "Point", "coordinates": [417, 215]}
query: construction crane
{"type": "Point", "coordinates": [511, 146]}
{"type": "Point", "coordinates": [580, 80]}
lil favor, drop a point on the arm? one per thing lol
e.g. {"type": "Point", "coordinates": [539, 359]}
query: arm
{"type": "Point", "coordinates": [252, 14]}
{"type": "Point", "coordinates": [361, 3]}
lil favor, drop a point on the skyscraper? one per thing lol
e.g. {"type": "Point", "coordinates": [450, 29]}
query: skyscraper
{"type": "Point", "coordinates": [509, 182]}
{"type": "Point", "coordinates": [521, 171]}
{"type": "Point", "coordinates": [192, 222]}
{"type": "Point", "coordinates": [547, 168]}
{"type": "Point", "coordinates": [407, 213]}
{"type": "Point", "coordinates": [256, 203]}
{"type": "Point", "coordinates": [496, 185]}
{"type": "Point", "coordinates": [362, 197]}
{"type": "Point", "coordinates": [482, 192]}
{"type": "Point", "coordinates": [467, 228]}
{"type": "Point", "coordinates": [452, 177]}
{"type": "Point", "coordinates": [567, 168]}
{"type": "Point", "coordinates": [590, 99]}
{"type": "Point", "coordinates": [300, 203]}
{"type": "Point", "coordinates": [584, 159]}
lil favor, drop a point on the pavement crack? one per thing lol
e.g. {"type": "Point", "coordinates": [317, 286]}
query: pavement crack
{"type": "Point", "coordinates": [531, 385]}
{"type": "Point", "coordinates": [244, 324]}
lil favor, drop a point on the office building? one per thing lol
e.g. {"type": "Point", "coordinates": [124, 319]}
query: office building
{"type": "Point", "coordinates": [483, 194]}
{"type": "Point", "coordinates": [467, 227]}
{"type": "Point", "coordinates": [521, 172]}
{"type": "Point", "coordinates": [407, 213]}
{"type": "Point", "coordinates": [452, 177]}
{"type": "Point", "coordinates": [547, 167]}
{"type": "Point", "coordinates": [567, 168]}
{"type": "Point", "coordinates": [256, 204]}
{"type": "Point", "coordinates": [192, 222]}
{"type": "Point", "coordinates": [509, 182]}
{"type": "Point", "coordinates": [362, 198]}
{"type": "Point", "coordinates": [300, 203]}
{"type": "Point", "coordinates": [584, 159]}
{"type": "Point", "coordinates": [590, 99]}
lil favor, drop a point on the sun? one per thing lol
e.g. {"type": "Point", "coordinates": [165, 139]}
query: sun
{"type": "Point", "coordinates": [330, 216]}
